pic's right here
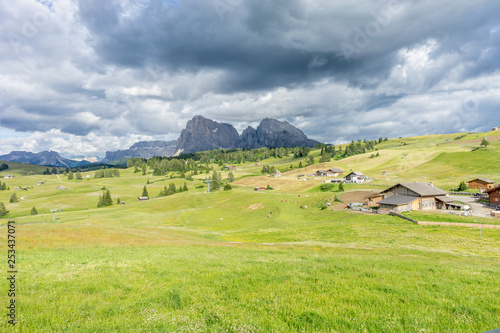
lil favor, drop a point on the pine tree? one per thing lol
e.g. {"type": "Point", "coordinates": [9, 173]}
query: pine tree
{"type": "Point", "coordinates": [118, 201]}
{"type": "Point", "coordinates": [341, 187]}
{"type": "Point", "coordinates": [300, 165]}
{"type": "Point", "coordinates": [13, 198]}
{"type": "Point", "coordinates": [145, 192]}
{"type": "Point", "coordinates": [3, 210]}
{"type": "Point", "coordinates": [71, 176]}
{"type": "Point", "coordinates": [228, 187]}
{"type": "Point", "coordinates": [462, 186]}
{"type": "Point", "coordinates": [100, 202]}
{"type": "Point", "coordinates": [107, 198]}
{"type": "Point", "coordinates": [185, 188]}
{"type": "Point", "coordinates": [33, 211]}
{"type": "Point", "coordinates": [230, 176]}
{"type": "Point", "coordinates": [78, 176]}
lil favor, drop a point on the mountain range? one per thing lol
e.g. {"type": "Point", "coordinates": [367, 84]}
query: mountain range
{"type": "Point", "coordinates": [205, 134]}
{"type": "Point", "coordinates": [143, 149]}
{"type": "Point", "coordinates": [200, 134]}
{"type": "Point", "coordinates": [49, 158]}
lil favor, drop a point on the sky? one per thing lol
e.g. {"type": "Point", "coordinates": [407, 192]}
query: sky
{"type": "Point", "coordinates": [83, 77]}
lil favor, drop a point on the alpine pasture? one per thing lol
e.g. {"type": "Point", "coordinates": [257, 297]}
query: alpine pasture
{"type": "Point", "coordinates": [254, 261]}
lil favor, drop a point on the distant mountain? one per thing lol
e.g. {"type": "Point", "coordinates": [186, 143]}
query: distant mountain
{"type": "Point", "coordinates": [203, 134]}
{"type": "Point", "coordinates": [48, 158]}
{"type": "Point", "coordinates": [142, 149]}
{"type": "Point", "coordinates": [274, 133]}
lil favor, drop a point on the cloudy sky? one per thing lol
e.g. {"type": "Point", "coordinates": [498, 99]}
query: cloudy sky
{"type": "Point", "coordinates": [83, 77]}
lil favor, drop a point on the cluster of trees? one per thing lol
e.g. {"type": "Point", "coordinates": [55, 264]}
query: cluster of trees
{"type": "Point", "coordinates": [3, 187]}
{"type": "Point", "coordinates": [4, 166]}
{"type": "Point", "coordinates": [77, 176]}
{"type": "Point", "coordinates": [105, 199]}
{"type": "Point", "coordinates": [198, 162]}
{"type": "Point", "coordinates": [54, 171]}
{"type": "Point", "coordinates": [107, 173]}
{"type": "Point", "coordinates": [172, 189]}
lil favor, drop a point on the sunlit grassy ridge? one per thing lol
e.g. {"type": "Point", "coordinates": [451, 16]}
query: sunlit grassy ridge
{"type": "Point", "coordinates": [246, 261]}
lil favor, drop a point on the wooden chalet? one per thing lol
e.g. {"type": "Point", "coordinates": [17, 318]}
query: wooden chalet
{"type": "Point", "coordinates": [260, 188]}
{"type": "Point", "coordinates": [355, 177]}
{"type": "Point", "coordinates": [413, 196]}
{"type": "Point", "coordinates": [481, 184]}
{"type": "Point", "coordinates": [494, 195]}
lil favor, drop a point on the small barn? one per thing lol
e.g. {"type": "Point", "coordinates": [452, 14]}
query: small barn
{"type": "Point", "coordinates": [374, 199]}
{"type": "Point", "coordinates": [481, 184]}
{"type": "Point", "coordinates": [61, 187]}
{"type": "Point", "coordinates": [40, 183]}
{"type": "Point", "coordinates": [8, 176]}
{"type": "Point", "coordinates": [260, 188]}
{"type": "Point", "coordinates": [143, 198]}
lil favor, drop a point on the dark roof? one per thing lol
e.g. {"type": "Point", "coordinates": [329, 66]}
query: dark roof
{"type": "Point", "coordinates": [357, 173]}
{"type": "Point", "coordinates": [482, 179]}
{"type": "Point", "coordinates": [397, 200]}
{"type": "Point", "coordinates": [422, 189]}
{"type": "Point", "coordinates": [336, 170]}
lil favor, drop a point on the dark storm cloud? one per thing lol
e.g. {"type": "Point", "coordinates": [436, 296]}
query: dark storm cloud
{"type": "Point", "coordinates": [267, 44]}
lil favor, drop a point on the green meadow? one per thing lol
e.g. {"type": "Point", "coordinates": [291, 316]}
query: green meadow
{"type": "Point", "coordinates": [244, 261]}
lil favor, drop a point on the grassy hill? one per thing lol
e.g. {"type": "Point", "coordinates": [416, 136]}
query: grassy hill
{"type": "Point", "coordinates": [247, 261]}
{"type": "Point", "coordinates": [21, 169]}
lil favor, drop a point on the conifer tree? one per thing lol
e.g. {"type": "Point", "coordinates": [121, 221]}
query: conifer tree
{"type": "Point", "coordinates": [13, 198]}
{"type": "Point", "coordinates": [34, 211]}
{"type": "Point", "coordinates": [145, 192]}
{"type": "Point", "coordinates": [107, 198]}
{"type": "Point", "coordinates": [3, 210]}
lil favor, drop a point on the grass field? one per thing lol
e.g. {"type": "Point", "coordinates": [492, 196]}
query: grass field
{"type": "Point", "coordinates": [246, 261]}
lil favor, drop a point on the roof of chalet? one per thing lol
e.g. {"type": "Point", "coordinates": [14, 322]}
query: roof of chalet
{"type": "Point", "coordinates": [396, 200]}
{"type": "Point", "coordinates": [444, 198]}
{"type": "Point", "coordinates": [422, 189]}
{"type": "Point", "coordinates": [482, 179]}
{"type": "Point", "coordinates": [496, 188]}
